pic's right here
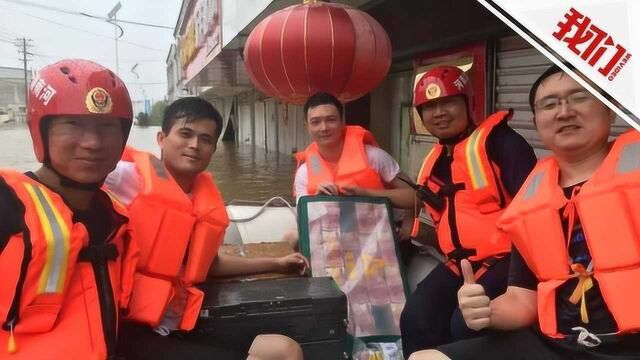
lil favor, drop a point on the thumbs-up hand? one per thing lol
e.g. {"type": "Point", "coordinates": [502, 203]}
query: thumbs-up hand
{"type": "Point", "coordinates": [474, 303]}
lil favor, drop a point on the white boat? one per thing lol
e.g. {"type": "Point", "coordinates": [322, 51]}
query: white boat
{"type": "Point", "coordinates": [256, 222]}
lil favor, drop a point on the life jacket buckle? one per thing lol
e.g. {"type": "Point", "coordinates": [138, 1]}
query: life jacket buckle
{"type": "Point", "coordinates": [98, 253]}
{"type": "Point", "coordinates": [450, 190]}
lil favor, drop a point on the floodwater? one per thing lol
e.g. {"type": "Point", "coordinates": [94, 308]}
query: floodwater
{"type": "Point", "coordinates": [242, 172]}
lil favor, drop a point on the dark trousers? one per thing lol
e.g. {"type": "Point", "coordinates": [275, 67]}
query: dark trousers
{"type": "Point", "coordinates": [139, 342]}
{"type": "Point", "coordinates": [431, 316]}
{"type": "Point", "coordinates": [530, 344]}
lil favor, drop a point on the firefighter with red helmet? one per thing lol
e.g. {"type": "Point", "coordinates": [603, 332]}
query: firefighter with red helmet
{"type": "Point", "coordinates": [66, 262]}
{"type": "Point", "coordinates": [475, 169]}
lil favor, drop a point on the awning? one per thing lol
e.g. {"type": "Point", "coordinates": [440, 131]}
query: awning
{"type": "Point", "coordinates": [225, 74]}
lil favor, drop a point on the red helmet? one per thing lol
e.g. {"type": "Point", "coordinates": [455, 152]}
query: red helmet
{"type": "Point", "coordinates": [75, 87]}
{"type": "Point", "coordinates": [440, 82]}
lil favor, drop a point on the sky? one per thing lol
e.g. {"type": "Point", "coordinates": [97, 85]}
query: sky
{"type": "Point", "coordinates": [55, 36]}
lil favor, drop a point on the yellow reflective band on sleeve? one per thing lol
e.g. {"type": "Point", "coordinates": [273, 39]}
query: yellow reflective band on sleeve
{"type": "Point", "coordinates": [56, 235]}
{"type": "Point", "coordinates": [474, 162]}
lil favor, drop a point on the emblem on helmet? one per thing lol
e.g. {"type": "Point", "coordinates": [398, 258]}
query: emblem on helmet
{"type": "Point", "coordinates": [98, 101]}
{"type": "Point", "coordinates": [433, 91]}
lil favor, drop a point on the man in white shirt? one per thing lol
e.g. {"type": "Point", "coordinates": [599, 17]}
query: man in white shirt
{"type": "Point", "coordinates": [344, 159]}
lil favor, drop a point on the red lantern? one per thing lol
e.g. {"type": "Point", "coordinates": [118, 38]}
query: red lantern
{"type": "Point", "coordinates": [312, 47]}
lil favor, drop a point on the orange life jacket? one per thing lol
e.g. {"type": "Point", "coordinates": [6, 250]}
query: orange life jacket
{"type": "Point", "coordinates": [466, 227]}
{"type": "Point", "coordinates": [49, 301]}
{"type": "Point", "coordinates": [609, 212]}
{"type": "Point", "coordinates": [168, 226]}
{"type": "Point", "coordinates": [352, 168]}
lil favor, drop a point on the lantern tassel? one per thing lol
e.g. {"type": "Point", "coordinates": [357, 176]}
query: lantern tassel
{"type": "Point", "coordinates": [12, 346]}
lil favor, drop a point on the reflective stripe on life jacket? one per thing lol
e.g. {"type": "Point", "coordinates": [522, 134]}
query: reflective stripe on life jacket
{"type": "Point", "coordinates": [170, 226]}
{"type": "Point", "coordinates": [609, 213]}
{"type": "Point", "coordinates": [475, 200]}
{"type": "Point", "coordinates": [352, 169]}
{"type": "Point", "coordinates": [50, 293]}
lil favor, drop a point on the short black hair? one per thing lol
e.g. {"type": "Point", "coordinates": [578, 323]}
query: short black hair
{"type": "Point", "coordinates": [553, 69]}
{"type": "Point", "coordinates": [322, 98]}
{"type": "Point", "coordinates": [191, 108]}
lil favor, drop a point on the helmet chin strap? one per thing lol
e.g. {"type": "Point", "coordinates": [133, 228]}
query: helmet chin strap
{"type": "Point", "coordinates": [70, 183]}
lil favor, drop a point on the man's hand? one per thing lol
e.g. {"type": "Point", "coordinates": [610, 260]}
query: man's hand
{"type": "Point", "coordinates": [406, 228]}
{"type": "Point", "coordinates": [295, 262]}
{"type": "Point", "coordinates": [328, 189]}
{"type": "Point", "coordinates": [473, 301]}
{"type": "Point", "coordinates": [354, 190]}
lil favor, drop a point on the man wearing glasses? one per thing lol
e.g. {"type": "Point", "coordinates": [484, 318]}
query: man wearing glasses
{"type": "Point", "coordinates": [575, 225]}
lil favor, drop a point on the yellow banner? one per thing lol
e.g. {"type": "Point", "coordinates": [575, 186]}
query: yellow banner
{"type": "Point", "coordinates": [188, 45]}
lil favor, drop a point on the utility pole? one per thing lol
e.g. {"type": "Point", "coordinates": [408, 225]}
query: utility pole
{"type": "Point", "coordinates": [112, 19]}
{"type": "Point", "coordinates": [22, 45]}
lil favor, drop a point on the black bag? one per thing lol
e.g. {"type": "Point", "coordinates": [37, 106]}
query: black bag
{"type": "Point", "coordinates": [312, 311]}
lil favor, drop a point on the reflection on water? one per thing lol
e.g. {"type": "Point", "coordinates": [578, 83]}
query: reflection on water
{"type": "Point", "coordinates": [241, 172]}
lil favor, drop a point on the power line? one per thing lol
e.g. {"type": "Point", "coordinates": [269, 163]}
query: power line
{"type": "Point", "coordinates": [9, 32]}
{"type": "Point", "coordinates": [7, 38]}
{"type": "Point", "coordinates": [144, 24]}
{"type": "Point", "coordinates": [57, 23]}
{"type": "Point", "coordinates": [81, 13]}
{"type": "Point", "coordinates": [40, 6]}
{"type": "Point", "coordinates": [53, 56]}
{"type": "Point", "coordinates": [6, 34]}
{"type": "Point", "coordinates": [82, 30]}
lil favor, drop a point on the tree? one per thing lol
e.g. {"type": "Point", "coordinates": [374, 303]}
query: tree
{"type": "Point", "coordinates": [157, 112]}
{"type": "Point", "coordinates": [143, 119]}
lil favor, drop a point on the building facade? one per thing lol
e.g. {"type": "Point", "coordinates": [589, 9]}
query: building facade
{"type": "Point", "coordinates": [210, 37]}
{"type": "Point", "coordinates": [12, 94]}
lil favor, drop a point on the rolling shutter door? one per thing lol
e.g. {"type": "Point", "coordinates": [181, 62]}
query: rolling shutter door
{"type": "Point", "coordinates": [518, 65]}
